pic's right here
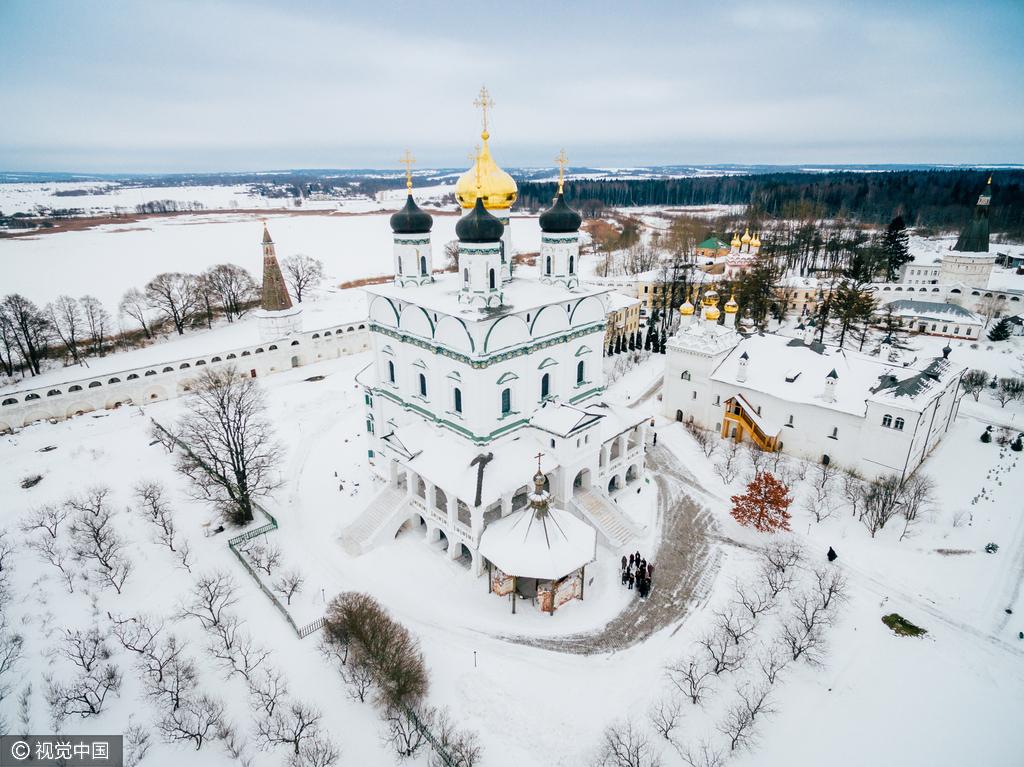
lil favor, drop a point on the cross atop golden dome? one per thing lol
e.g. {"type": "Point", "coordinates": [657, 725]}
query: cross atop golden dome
{"type": "Point", "coordinates": [495, 187]}
{"type": "Point", "coordinates": [745, 239]}
{"type": "Point", "coordinates": [408, 161]}
{"type": "Point", "coordinates": [731, 307]}
{"type": "Point", "coordinates": [755, 241]}
{"type": "Point", "coordinates": [562, 161]}
{"type": "Point", "coordinates": [735, 240]}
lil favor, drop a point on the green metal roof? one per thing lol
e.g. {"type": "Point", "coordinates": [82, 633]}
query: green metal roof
{"type": "Point", "coordinates": [713, 242]}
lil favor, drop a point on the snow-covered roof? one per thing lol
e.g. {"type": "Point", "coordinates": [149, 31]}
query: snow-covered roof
{"type": "Point", "coordinates": [931, 309]}
{"type": "Point", "coordinates": [534, 544]}
{"type": "Point", "coordinates": [704, 337]}
{"type": "Point", "coordinates": [520, 295]}
{"type": "Point", "coordinates": [561, 419]}
{"type": "Point", "coordinates": [617, 301]}
{"type": "Point", "coordinates": [773, 361]}
{"type": "Point", "coordinates": [447, 461]}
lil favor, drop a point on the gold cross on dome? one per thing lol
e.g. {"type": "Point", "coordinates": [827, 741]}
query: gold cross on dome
{"type": "Point", "coordinates": [562, 161]}
{"type": "Point", "coordinates": [408, 161]}
{"type": "Point", "coordinates": [538, 457]}
{"type": "Point", "coordinates": [485, 102]}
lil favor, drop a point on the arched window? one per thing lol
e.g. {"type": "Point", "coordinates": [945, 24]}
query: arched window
{"type": "Point", "coordinates": [887, 420]}
{"type": "Point", "coordinates": [547, 265]}
{"type": "Point", "coordinates": [898, 424]}
{"type": "Point", "coordinates": [572, 263]}
{"type": "Point", "coordinates": [391, 371]}
{"type": "Point", "coordinates": [465, 275]}
{"type": "Point", "coordinates": [685, 375]}
{"type": "Point", "coordinates": [506, 401]}
{"type": "Point", "coordinates": [580, 372]}
{"type": "Point", "coordinates": [545, 385]}
{"type": "Point", "coordinates": [458, 399]}
{"type": "Point", "coordinates": [423, 385]}
{"type": "Point", "coordinates": [423, 265]}
{"type": "Point", "coordinates": [490, 279]}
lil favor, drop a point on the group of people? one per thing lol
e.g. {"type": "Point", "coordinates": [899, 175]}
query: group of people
{"type": "Point", "coordinates": [637, 572]}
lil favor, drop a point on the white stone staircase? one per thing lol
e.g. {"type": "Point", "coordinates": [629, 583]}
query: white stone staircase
{"type": "Point", "coordinates": [359, 537]}
{"type": "Point", "coordinates": [616, 528]}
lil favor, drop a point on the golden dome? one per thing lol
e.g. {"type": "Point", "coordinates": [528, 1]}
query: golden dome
{"type": "Point", "coordinates": [497, 188]}
{"type": "Point", "coordinates": [735, 240]}
{"type": "Point", "coordinates": [710, 297]}
{"type": "Point", "coordinates": [731, 307]}
{"type": "Point", "coordinates": [686, 309]}
{"type": "Point", "coordinates": [712, 313]}
{"type": "Point", "coordinates": [746, 237]}
{"type": "Point", "coordinates": [755, 241]}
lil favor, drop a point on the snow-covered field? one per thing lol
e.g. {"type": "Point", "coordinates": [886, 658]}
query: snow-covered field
{"type": "Point", "coordinates": [109, 259]}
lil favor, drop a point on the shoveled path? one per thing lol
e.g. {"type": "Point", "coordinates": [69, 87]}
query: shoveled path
{"type": "Point", "coordinates": [684, 567]}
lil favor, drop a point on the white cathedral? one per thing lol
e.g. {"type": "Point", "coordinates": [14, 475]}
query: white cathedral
{"type": "Point", "coordinates": [480, 374]}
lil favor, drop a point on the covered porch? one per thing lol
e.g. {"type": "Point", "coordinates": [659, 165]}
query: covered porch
{"type": "Point", "coordinates": [743, 420]}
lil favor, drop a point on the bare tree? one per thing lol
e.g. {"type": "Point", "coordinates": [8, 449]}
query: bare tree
{"type": "Point", "coordinates": [165, 436]}
{"type": "Point", "coordinates": [880, 502]}
{"type": "Point", "coordinates": [918, 495]}
{"type": "Point", "coordinates": [65, 318]}
{"type": "Point", "coordinates": [831, 586]}
{"type": "Point", "coordinates": [727, 466]}
{"type": "Point", "coordinates": [853, 491]}
{"type": "Point", "coordinates": [289, 584]}
{"type": "Point", "coordinates": [705, 440]}
{"type": "Point", "coordinates": [27, 326]}
{"type": "Point", "coordinates": [289, 725]}
{"type": "Point", "coordinates": [241, 654]}
{"type": "Point", "coordinates": [175, 296]}
{"type": "Point", "coordinates": [756, 457]}
{"type": "Point", "coordinates": [86, 649]}
{"type": "Point", "coordinates": [230, 453]}
{"type": "Point", "coordinates": [48, 518]}
{"type": "Point", "coordinates": [775, 580]}
{"type": "Point", "coordinates": [83, 696]}
{"type": "Point", "coordinates": [736, 625]}
{"type": "Point", "coordinates": [12, 646]}
{"type": "Point", "coordinates": [803, 630]}
{"type": "Point", "coordinates": [212, 594]}
{"type": "Point", "coordinates": [97, 322]}
{"type": "Point", "coordinates": [49, 550]}
{"type": "Point", "coordinates": [265, 558]}
{"type": "Point", "coordinates": [405, 729]}
{"type": "Point", "coordinates": [136, 306]}
{"type": "Point", "coordinates": [358, 679]}
{"type": "Point", "coordinates": [754, 698]}
{"type": "Point", "coordinates": [772, 662]}
{"type": "Point", "coordinates": [626, 745]}
{"type": "Point", "coordinates": [267, 687]}
{"type": "Point", "coordinates": [737, 726]}
{"type": "Point", "coordinates": [196, 721]}
{"type": "Point", "coordinates": [317, 751]}
{"type": "Point", "coordinates": [171, 676]}
{"type": "Point", "coordinates": [754, 598]}
{"type": "Point", "coordinates": [149, 497]}
{"type": "Point", "coordinates": [460, 748]}
{"type": "Point", "coordinates": [136, 634]}
{"type": "Point", "coordinates": [96, 540]}
{"type": "Point", "coordinates": [137, 742]}
{"type": "Point", "coordinates": [782, 554]}
{"type": "Point", "coordinates": [665, 714]}
{"type": "Point", "coordinates": [723, 654]}
{"type": "Point", "coordinates": [703, 754]}
{"type": "Point", "coordinates": [302, 272]}
{"type": "Point", "coordinates": [185, 555]}
{"type": "Point", "coordinates": [234, 287]}
{"type": "Point", "coordinates": [692, 676]}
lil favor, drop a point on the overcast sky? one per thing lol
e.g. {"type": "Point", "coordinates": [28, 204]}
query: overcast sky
{"type": "Point", "coordinates": [194, 86]}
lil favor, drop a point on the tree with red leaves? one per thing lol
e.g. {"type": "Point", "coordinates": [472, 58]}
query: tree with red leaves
{"type": "Point", "coordinates": [764, 505]}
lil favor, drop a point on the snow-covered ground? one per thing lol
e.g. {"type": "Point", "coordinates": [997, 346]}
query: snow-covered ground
{"type": "Point", "coordinates": [109, 259]}
{"type": "Point", "coordinates": [878, 699]}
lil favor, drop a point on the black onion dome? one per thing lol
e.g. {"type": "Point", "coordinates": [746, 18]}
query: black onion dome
{"type": "Point", "coordinates": [410, 219]}
{"type": "Point", "coordinates": [478, 225]}
{"type": "Point", "coordinates": [560, 218]}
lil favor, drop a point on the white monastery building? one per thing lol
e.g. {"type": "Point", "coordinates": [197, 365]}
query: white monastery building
{"type": "Point", "coordinates": [479, 374]}
{"type": "Point", "coordinates": [819, 402]}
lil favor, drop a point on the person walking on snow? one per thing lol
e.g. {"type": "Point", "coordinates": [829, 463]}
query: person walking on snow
{"type": "Point", "coordinates": [832, 556]}
{"type": "Point", "coordinates": [630, 561]}
{"type": "Point", "coordinates": [629, 580]}
{"type": "Point", "coordinates": [623, 562]}
{"type": "Point", "coordinates": [625, 575]}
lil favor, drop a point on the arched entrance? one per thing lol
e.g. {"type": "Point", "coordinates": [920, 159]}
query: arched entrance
{"type": "Point", "coordinates": [613, 484]}
{"type": "Point", "coordinates": [679, 415]}
{"type": "Point", "coordinates": [295, 361]}
{"type": "Point", "coordinates": [582, 479]}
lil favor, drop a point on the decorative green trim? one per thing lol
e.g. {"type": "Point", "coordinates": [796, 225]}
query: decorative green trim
{"type": "Point", "coordinates": [479, 439]}
{"type": "Point", "coordinates": [583, 350]}
{"type": "Point", "coordinates": [509, 376]}
{"type": "Point", "coordinates": [454, 375]}
{"type": "Point", "coordinates": [420, 241]}
{"type": "Point", "coordinates": [420, 364]}
{"type": "Point", "coordinates": [487, 360]}
{"type": "Point", "coordinates": [586, 394]}
{"type": "Point", "coordinates": [479, 252]}
{"type": "Point", "coordinates": [548, 362]}
{"type": "Point", "coordinates": [547, 238]}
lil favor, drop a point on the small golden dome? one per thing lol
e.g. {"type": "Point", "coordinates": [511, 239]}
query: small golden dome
{"type": "Point", "coordinates": [710, 297]}
{"type": "Point", "coordinates": [731, 307]}
{"type": "Point", "coordinates": [735, 240]}
{"type": "Point", "coordinates": [686, 309]}
{"type": "Point", "coordinates": [712, 313]}
{"type": "Point", "coordinates": [745, 239]}
{"type": "Point", "coordinates": [755, 241]}
{"type": "Point", "coordinates": [497, 188]}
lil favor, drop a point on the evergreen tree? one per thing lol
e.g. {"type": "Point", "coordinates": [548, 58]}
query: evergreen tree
{"type": "Point", "coordinates": [631, 340]}
{"type": "Point", "coordinates": [895, 246]}
{"type": "Point", "coordinates": [638, 339]}
{"type": "Point", "coordinates": [611, 347]}
{"type": "Point", "coordinates": [664, 342]}
{"type": "Point", "coordinates": [618, 344]}
{"type": "Point", "coordinates": [1001, 330]}
{"type": "Point", "coordinates": [852, 306]}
